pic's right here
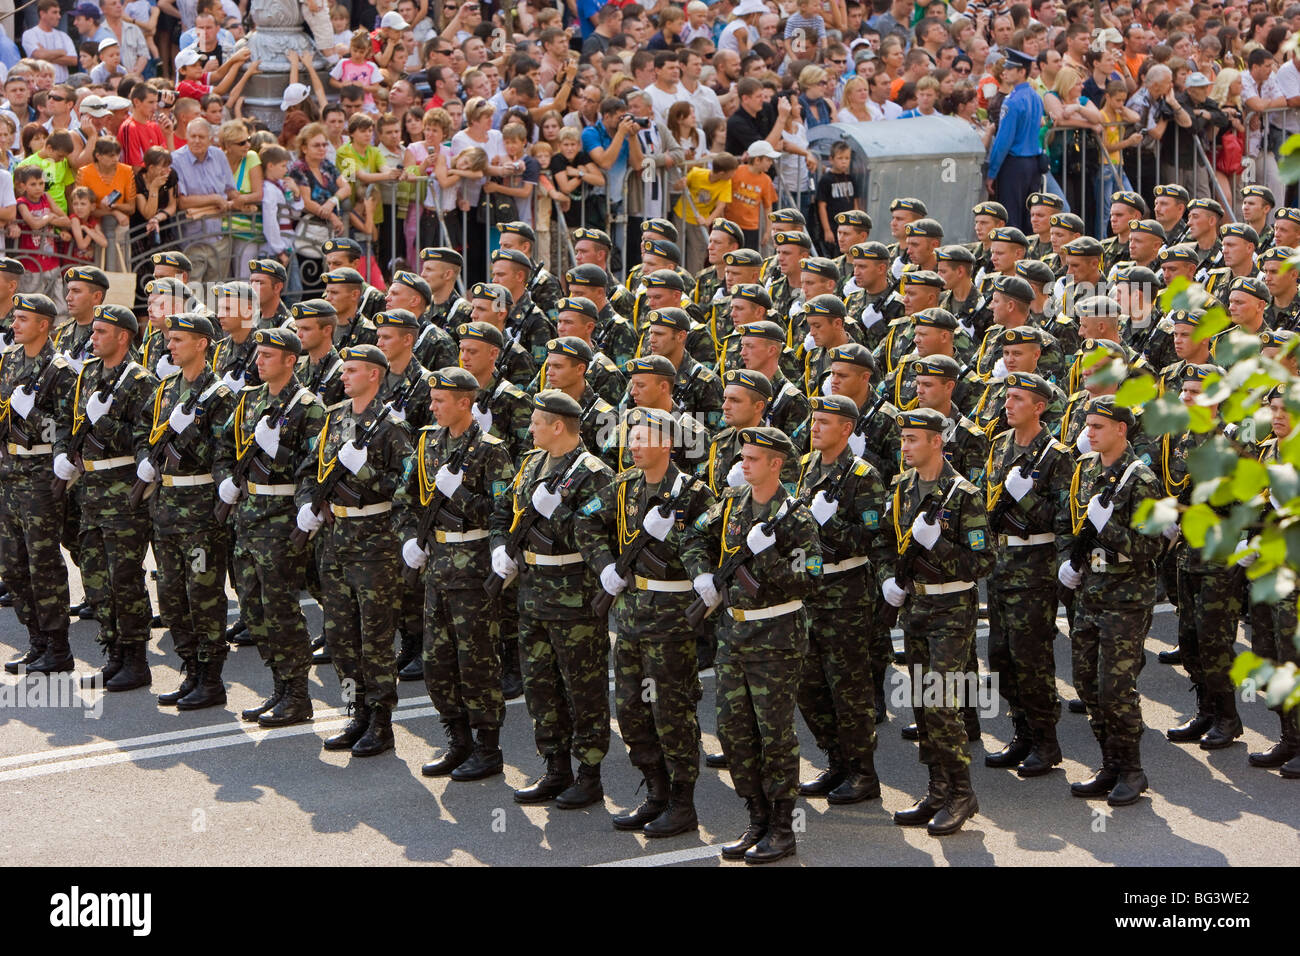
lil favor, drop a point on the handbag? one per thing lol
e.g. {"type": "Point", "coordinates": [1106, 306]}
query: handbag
{"type": "Point", "coordinates": [1229, 157]}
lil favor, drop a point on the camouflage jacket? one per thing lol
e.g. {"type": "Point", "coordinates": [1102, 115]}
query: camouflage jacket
{"type": "Point", "coordinates": [706, 284]}
{"type": "Point", "coordinates": [789, 363]}
{"type": "Point", "coordinates": [487, 472]}
{"type": "Point", "coordinates": [413, 383]}
{"type": "Point", "coordinates": [1042, 511]}
{"type": "Point", "coordinates": [1154, 341]}
{"type": "Point", "coordinates": [602, 375]}
{"type": "Point", "coordinates": [1120, 567]}
{"type": "Point", "coordinates": [615, 337]}
{"type": "Point", "coordinates": [1052, 364]}
{"type": "Point", "coordinates": [1174, 450]}
{"type": "Point", "coordinates": [73, 340]}
{"type": "Point", "coordinates": [698, 390]}
{"type": "Point", "coordinates": [512, 412]}
{"type": "Point", "coordinates": [448, 314]}
{"type": "Point", "coordinates": [516, 364]}
{"type": "Point", "coordinates": [988, 410]}
{"type": "Point", "coordinates": [1113, 251]}
{"type": "Point", "coordinates": [873, 311]}
{"type": "Point", "coordinates": [50, 376]}
{"type": "Point", "coordinates": [528, 326]}
{"type": "Point", "coordinates": [322, 378]}
{"type": "Point", "coordinates": [622, 301]}
{"type": "Point", "coordinates": [973, 313]}
{"type": "Point", "coordinates": [1284, 316]}
{"type": "Point", "coordinates": [789, 411]}
{"type": "Point", "coordinates": [724, 453]}
{"type": "Point", "coordinates": [690, 453]}
{"type": "Point", "coordinates": [899, 387]}
{"type": "Point", "coordinates": [849, 535]}
{"type": "Point", "coordinates": [279, 316]}
{"type": "Point", "coordinates": [875, 438]}
{"type": "Point", "coordinates": [372, 303]}
{"type": "Point", "coordinates": [898, 343]}
{"type": "Point", "coordinates": [360, 331]}
{"type": "Point", "coordinates": [227, 355]}
{"type": "Point", "coordinates": [544, 290]}
{"type": "Point", "coordinates": [1144, 446]}
{"type": "Point", "coordinates": [435, 348]}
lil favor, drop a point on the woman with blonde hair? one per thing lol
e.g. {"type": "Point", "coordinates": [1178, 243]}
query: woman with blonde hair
{"type": "Point", "coordinates": [1229, 145]}
{"type": "Point", "coordinates": [814, 85]}
{"type": "Point", "coordinates": [1073, 143]}
{"type": "Point", "coordinates": [853, 102]}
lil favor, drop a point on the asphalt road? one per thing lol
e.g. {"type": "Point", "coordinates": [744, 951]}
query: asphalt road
{"type": "Point", "coordinates": [205, 788]}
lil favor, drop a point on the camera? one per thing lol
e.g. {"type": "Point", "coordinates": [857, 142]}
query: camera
{"type": "Point", "coordinates": [644, 123]}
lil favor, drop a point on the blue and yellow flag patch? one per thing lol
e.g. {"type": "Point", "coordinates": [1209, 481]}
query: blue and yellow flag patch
{"type": "Point", "coordinates": [975, 539]}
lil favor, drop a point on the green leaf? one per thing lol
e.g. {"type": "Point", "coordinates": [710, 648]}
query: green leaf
{"type": "Point", "coordinates": [1136, 391]}
{"type": "Point", "coordinates": [1288, 167]}
{"type": "Point", "coordinates": [1172, 292]}
{"type": "Point", "coordinates": [1154, 516]}
{"type": "Point", "coordinates": [1200, 419]}
{"type": "Point", "coordinates": [1284, 482]}
{"type": "Point", "coordinates": [1280, 685]}
{"type": "Point", "coordinates": [1197, 520]}
{"type": "Point", "coordinates": [1273, 587]}
{"type": "Point", "coordinates": [1242, 667]}
{"type": "Point", "coordinates": [1167, 415]}
{"type": "Point", "coordinates": [1249, 478]}
{"type": "Point", "coordinates": [1234, 346]}
{"type": "Point", "coordinates": [1211, 324]}
{"type": "Point", "coordinates": [1214, 458]}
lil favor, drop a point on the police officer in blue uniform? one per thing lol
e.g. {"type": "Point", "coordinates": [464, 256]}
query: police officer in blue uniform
{"type": "Point", "coordinates": [1013, 159]}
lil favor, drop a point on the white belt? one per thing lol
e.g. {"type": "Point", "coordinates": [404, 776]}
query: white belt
{"type": "Point", "coordinates": [1098, 561]}
{"type": "Point", "coordinates": [670, 587]}
{"type": "Point", "coordinates": [551, 560]}
{"type": "Point", "coordinates": [104, 464]}
{"type": "Point", "coordinates": [952, 587]}
{"type": "Point", "coordinates": [459, 537]}
{"type": "Point", "coordinates": [1015, 542]}
{"type": "Point", "coordinates": [848, 564]}
{"type": "Point", "coordinates": [763, 613]}
{"type": "Point", "coordinates": [280, 490]}
{"type": "Point", "coordinates": [20, 451]}
{"type": "Point", "coordinates": [366, 512]}
{"type": "Point", "coordinates": [185, 481]}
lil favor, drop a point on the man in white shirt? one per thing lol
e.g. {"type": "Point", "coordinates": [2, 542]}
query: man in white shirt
{"type": "Point", "coordinates": [666, 89]}
{"type": "Point", "coordinates": [46, 41]}
{"type": "Point", "coordinates": [879, 105]}
{"type": "Point", "coordinates": [702, 97]}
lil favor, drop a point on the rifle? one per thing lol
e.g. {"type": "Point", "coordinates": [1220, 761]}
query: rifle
{"type": "Point", "coordinates": [494, 583]}
{"type": "Point", "coordinates": [905, 571]}
{"type": "Point", "coordinates": [736, 566]}
{"type": "Point", "coordinates": [430, 516]}
{"type": "Point", "coordinates": [318, 379]}
{"type": "Point", "coordinates": [274, 413]}
{"type": "Point", "coordinates": [325, 489]}
{"type": "Point", "coordinates": [162, 450]}
{"type": "Point", "coordinates": [782, 400]}
{"type": "Point", "coordinates": [81, 435]}
{"type": "Point", "coordinates": [684, 389]}
{"type": "Point", "coordinates": [626, 561]}
{"type": "Point", "coordinates": [241, 365]}
{"type": "Point", "coordinates": [403, 395]}
{"type": "Point", "coordinates": [16, 430]}
{"type": "Point", "coordinates": [1087, 537]}
{"type": "Point", "coordinates": [1001, 511]}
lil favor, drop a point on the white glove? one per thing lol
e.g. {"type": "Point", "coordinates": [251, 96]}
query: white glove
{"type": "Point", "coordinates": [1082, 442]}
{"type": "Point", "coordinates": [896, 269]}
{"type": "Point", "coordinates": [657, 524]}
{"type": "Point", "coordinates": [180, 419]}
{"type": "Point", "coordinates": [95, 409]}
{"type": "Point", "coordinates": [1173, 531]}
{"type": "Point", "coordinates": [759, 540]}
{"type": "Point", "coordinates": [611, 581]}
{"type": "Point", "coordinates": [979, 277]}
{"type": "Point", "coordinates": [870, 316]}
{"type": "Point", "coordinates": [823, 509]}
{"type": "Point", "coordinates": [893, 593]}
{"type": "Point", "coordinates": [857, 443]}
{"type": "Point", "coordinates": [1018, 483]}
{"type": "Point", "coordinates": [924, 533]}
{"type": "Point", "coordinates": [353, 458]}
{"type": "Point", "coordinates": [413, 554]}
{"type": "Point", "coordinates": [309, 520]}
{"type": "Point", "coordinates": [228, 491]}
{"type": "Point", "coordinates": [735, 477]}
{"type": "Point", "coordinates": [22, 401]}
{"type": "Point", "coordinates": [448, 481]}
{"type": "Point", "coordinates": [483, 417]}
{"type": "Point", "coordinates": [1098, 513]}
{"type": "Point", "coordinates": [1068, 576]}
{"type": "Point", "coordinates": [267, 438]}
{"type": "Point", "coordinates": [503, 566]}
{"type": "Point", "coordinates": [233, 383]}
{"type": "Point", "coordinates": [165, 366]}
{"type": "Point", "coordinates": [545, 500]}
{"type": "Point", "coordinates": [76, 364]}
{"type": "Point", "coordinates": [63, 467]}
{"type": "Point", "coordinates": [706, 589]}
{"type": "Point", "coordinates": [808, 343]}
{"type": "Point", "coordinates": [146, 472]}
{"type": "Point", "coordinates": [397, 414]}
{"type": "Point", "coordinates": [999, 370]}
{"type": "Point", "coordinates": [1248, 560]}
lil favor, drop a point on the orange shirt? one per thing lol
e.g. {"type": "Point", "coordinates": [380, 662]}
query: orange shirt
{"type": "Point", "coordinates": [748, 190]}
{"type": "Point", "coordinates": [123, 180]}
{"type": "Point", "coordinates": [1134, 63]}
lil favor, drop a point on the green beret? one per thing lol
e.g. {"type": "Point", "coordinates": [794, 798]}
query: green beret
{"type": "Point", "coordinates": [994, 209]}
{"type": "Point", "coordinates": [287, 341]}
{"type": "Point", "coordinates": [1173, 191]}
{"type": "Point", "coordinates": [555, 402]}
{"type": "Point", "coordinates": [268, 267]}
{"type": "Point", "coordinates": [662, 227]}
{"type": "Point", "coordinates": [1051, 200]}
{"type": "Point", "coordinates": [493, 292]}
{"type": "Point", "coordinates": [729, 228]}
{"type": "Point", "coordinates": [515, 257]}
{"type": "Point", "coordinates": [483, 332]}
{"type": "Point", "coordinates": [1029, 382]}
{"type": "Point", "coordinates": [1035, 270]}
{"type": "Point", "coordinates": [675, 319]}
{"type": "Point", "coordinates": [1149, 226]}
{"type": "Point", "coordinates": [1199, 373]}
{"type": "Point", "coordinates": [1251, 286]}
{"type": "Point", "coordinates": [350, 246]}
{"type": "Point", "coordinates": [1112, 348]}
{"type": "Point", "coordinates": [656, 419]}
{"type": "Point", "coordinates": [940, 366]}
{"type": "Point", "coordinates": [743, 257]}
{"type": "Point", "coordinates": [1179, 253]}
{"type": "Point", "coordinates": [96, 277]}
{"type": "Point", "coordinates": [787, 216]}
{"type": "Point", "coordinates": [442, 254]}
{"type": "Point", "coordinates": [412, 281]}
{"type": "Point", "coordinates": [570, 346]}
{"type": "Point", "coordinates": [118, 315]}
{"type": "Point", "coordinates": [1083, 246]}
{"type": "Point", "coordinates": [1209, 205]}
{"type": "Point", "coordinates": [1135, 275]}
{"type": "Point", "coordinates": [664, 249]}
{"type": "Point", "coordinates": [195, 323]}
{"type": "Point", "coordinates": [754, 381]}
{"type": "Point", "coordinates": [398, 318]}
{"type": "Point", "coordinates": [854, 353]}
{"type": "Point", "coordinates": [345, 276]}
{"type": "Point", "coordinates": [235, 288]}
{"type": "Point", "coordinates": [1276, 254]}
{"type": "Point", "coordinates": [1014, 287]}
{"type": "Point", "coordinates": [936, 318]}
{"type": "Point", "coordinates": [1131, 199]}
{"type": "Point", "coordinates": [1008, 234]}
{"type": "Point", "coordinates": [836, 405]}
{"type": "Point", "coordinates": [519, 229]}
{"type": "Point", "coordinates": [168, 286]}
{"type": "Point", "coordinates": [11, 266]}
{"type": "Point", "coordinates": [793, 239]}
{"type": "Point", "coordinates": [1021, 335]}
{"type": "Point", "coordinates": [820, 266]}
{"type": "Point", "coordinates": [587, 274]}
{"type": "Point", "coordinates": [650, 365]}
{"type": "Point", "coordinates": [929, 228]}
{"type": "Point", "coordinates": [955, 253]}
{"type": "Point", "coordinates": [665, 279]}
{"type": "Point", "coordinates": [177, 260]}
{"type": "Point", "coordinates": [908, 203]}
{"type": "Point", "coordinates": [579, 304]}
{"type": "Point", "coordinates": [594, 235]}
{"type": "Point", "coordinates": [1275, 338]}
{"type": "Point", "coordinates": [773, 439]}
{"type": "Point", "coordinates": [1240, 230]}
{"type": "Point", "coordinates": [312, 309]}
{"type": "Point", "coordinates": [35, 302]}
{"type": "Point", "coordinates": [1105, 406]}
{"type": "Point", "coordinates": [1184, 317]}
{"type": "Point", "coordinates": [1098, 306]}
{"type": "Point", "coordinates": [1067, 220]}
{"type": "Point", "coordinates": [1263, 192]}
{"type": "Point", "coordinates": [826, 304]}
{"type": "Point", "coordinates": [926, 418]}
{"type": "Point", "coordinates": [922, 277]}
{"type": "Point", "coordinates": [856, 218]}
{"type": "Point", "coordinates": [754, 293]}
{"type": "Point", "coordinates": [872, 250]}
{"type": "Point", "coordinates": [453, 378]}
{"type": "Point", "coordinates": [764, 330]}
{"type": "Point", "coordinates": [358, 353]}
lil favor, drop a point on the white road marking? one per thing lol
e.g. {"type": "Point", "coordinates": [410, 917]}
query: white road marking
{"type": "Point", "coordinates": [668, 858]}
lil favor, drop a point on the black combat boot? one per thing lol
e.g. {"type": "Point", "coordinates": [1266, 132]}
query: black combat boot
{"type": "Point", "coordinates": [410, 666]}
{"type": "Point", "coordinates": [378, 736]}
{"type": "Point", "coordinates": [706, 651]}
{"type": "Point", "coordinates": [778, 842]}
{"type": "Point", "coordinates": [252, 713]}
{"type": "Point", "coordinates": [1170, 657]}
{"type": "Point", "coordinates": [960, 806]}
{"type": "Point", "coordinates": [759, 815]}
{"type": "Point", "coordinates": [860, 783]}
{"type": "Point", "coordinates": [1227, 723]}
{"type": "Point", "coordinates": [717, 761]}
{"type": "Point", "coordinates": [211, 689]}
{"type": "Point", "coordinates": [512, 678]}
{"type": "Point", "coordinates": [36, 644]}
{"type": "Point", "coordinates": [827, 780]}
{"type": "Point", "coordinates": [189, 680]}
{"type": "Point", "coordinates": [1291, 769]}
{"type": "Point", "coordinates": [1045, 755]}
{"type": "Point", "coordinates": [239, 634]}
{"type": "Point", "coordinates": [354, 729]}
{"type": "Point", "coordinates": [293, 707]}
{"type": "Point", "coordinates": [112, 664]}
{"type": "Point", "coordinates": [1103, 781]}
{"type": "Point", "coordinates": [910, 732]}
{"type": "Point", "coordinates": [1192, 729]}
{"type": "Point", "coordinates": [558, 777]}
{"type": "Point", "coordinates": [485, 761]}
{"type": "Point", "coordinates": [134, 671]}
{"type": "Point", "coordinates": [656, 799]}
{"type": "Point", "coordinates": [459, 747]}
{"type": "Point", "coordinates": [1282, 751]}
{"type": "Point", "coordinates": [584, 791]}
{"type": "Point", "coordinates": [1076, 706]}
{"type": "Point", "coordinates": [1131, 781]}
{"type": "Point", "coordinates": [1017, 749]}
{"type": "Point", "coordinates": [57, 657]}
{"type": "Point", "coordinates": [679, 816]}
{"type": "Point", "coordinates": [923, 811]}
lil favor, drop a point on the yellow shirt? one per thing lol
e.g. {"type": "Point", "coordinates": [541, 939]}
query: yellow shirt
{"type": "Point", "coordinates": [704, 194]}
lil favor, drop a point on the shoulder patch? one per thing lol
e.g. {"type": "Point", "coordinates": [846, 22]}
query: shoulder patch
{"type": "Point", "coordinates": [593, 463]}
{"type": "Point", "coordinates": [307, 398]}
{"type": "Point", "coordinates": [627, 475]}
{"type": "Point", "coordinates": [975, 539]}
{"type": "Point", "coordinates": [590, 508]}
{"type": "Point", "coordinates": [490, 439]}
{"type": "Point", "coordinates": [871, 519]}
{"type": "Point", "coordinates": [860, 468]}
{"type": "Point", "coordinates": [814, 565]}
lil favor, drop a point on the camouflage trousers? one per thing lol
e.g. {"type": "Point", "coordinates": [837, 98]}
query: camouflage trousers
{"type": "Point", "coordinates": [1272, 630]}
{"type": "Point", "coordinates": [1106, 650]}
{"type": "Point", "coordinates": [756, 704]}
{"type": "Point", "coordinates": [70, 524]}
{"type": "Point", "coordinates": [836, 693]}
{"type": "Point", "coordinates": [410, 608]}
{"type": "Point", "coordinates": [192, 592]}
{"type": "Point", "coordinates": [31, 563]}
{"type": "Point", "coordinates": [112, 572]}
{"type": "Point", "coordinates": [1209, 606]}
{"type": "Point", "coordinates": [939, 640]}
{"type": "Point", "coordinates": [880, 644]}
{"type": "Point", "coordinates": [360, 611]}
{"type": "Point", "coordinates": [656, 692]}
{"type": "Point", "coordinates": [462, 669]}
{"type": "Point", "coordinates": [566, 685]}
{"type": "Point", "coordinates": [269, 573]}
{"type": "Point", "coordinates": [1022, 627]}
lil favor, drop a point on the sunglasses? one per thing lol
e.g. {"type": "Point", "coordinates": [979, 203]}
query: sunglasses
{"type": "Point", "coordinates": [239, 142]}
{"type": "Point", "coordinates": [840, 62]}
{"type": "Point", "coordinates": [57, 99]}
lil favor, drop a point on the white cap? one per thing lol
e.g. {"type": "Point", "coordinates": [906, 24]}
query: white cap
{"type": "Point", "coordinates": [294, 94]}
{"type": "Point", "coordinates": [93, 105]}
{"type": "Point", "coordinates": [188, 57]}
{"type": "Point", "coordinates": [1197, 79]}
{"type": "Point", "coordinates": [392, 20]}
{"type": "Point", "coordinates": [761, 147]}
{"type": "Point", "coordinates": [107, 42]}
{"type": "Point", "coordinates": [115, 103]}
{"type": "Point", "coordinates": [749, 6]}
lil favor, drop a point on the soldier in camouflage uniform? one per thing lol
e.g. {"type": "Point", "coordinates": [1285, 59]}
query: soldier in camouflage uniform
{"type": "Point", "coordinates": [845, 496]}
{"type": "Point", "coordinates": [1028, 480]}
{"type": "Point", "coordinates": [1115, 592]}
{"type": "Point", "coordinates": [725, 237]}
{"type": "Point", "coordinates": [613, 334]}
{"type": "Point", "coordinates": [869, 296]}
{"type": "Point", "coordinates": [549, 529]}
{"type": "Point", "coordinates": [696, 389]}
{"type": "Point", "coordinates": [525, 323]}
{"type": "Point", "coordinates": [440, 268]}
{"type": "Point", "coordinates": [564, 370]}
{"type": "Point", "coordinates": [745, 395]}
{"type": "Point", "coordinates": [853, 226]}
{"type": "Point", "coordinates": [660, 235]}
{"type": "Point", "coordinates": [665, 289]}
{"type": "Point", "coordinates": [941, 556]}
{"type": "Point", "coordinates": [543, 288]}
{"type": "Point", "coordinates": [875, 437]}
{"type": "Point", "coordinates": [782, 282]}
{"type": "Point", "coordinates": [825, 315]}
{"type": "Point", "coordinates": [934, 331]}
{"type": "Point", "coordinates": [319, 364]}
{"type": "Point", "coordinates": [32, 379]}
{"type": "Point", "coordinates": [1239, 243]}
{"type": "Point", "coordinates": [965, 445]}
{"type": "Point", "coordinates": [750, 304]}
{"type": "Point", "coordinates": [922, 239]}
{"type": "Point", "coordinates": [651, 384]}
{"type": "Point", "coordinates": [1074, 431]}
{"type": "Point", "coordinates": [817, 276]}
{"type": "Point", "coordinates": [760, 350]}
{"type": "Point", "coordinates": [1040, 279]}
{"type": "Point", "coordinates": [1065, 228]}
{"type": "Point", "coordinates": [592, 247]}
{"type": "Point", "coordinates": [1284, 311]}
{"type": "Point", "coordinates": [234, 356]}
{"type": "Point", "coordinates": [272, 430]}
{"type": "Point", "coordinates": [1204, 216]}
{"type": "Point", "coordinates": [347, 254]}
{"type": "Point", "coordinates": [965, 300]}
{"type": "Point", "coordinates": [740, 267]}
{"type": "Point", "coordinates": [268, 277]}
{"type": "Point", "coordinates": [359, 554]}
{"type": "Point", "coordinates": [920, 291]}
{"type": "Point", "coordinates": [901, 212]}
{"type": "Point", "coordinates": [165, 297]}
{"type": "Point", "coordinates": [763, 635]}
{"type": "Point", "coordinates": [343, 290]}
{"type": "Point", "coordinates": [84, 289]}
{"type": "Point", "coordinates": [1020, 350]}
{"type": "Point", "coordinates": [433, 347]}
{"type": "Point", "coordinates": [1100, 319]}
{"type": "Point", "coordinates": [576, 317]}
{"type": "Point", "coordinates": [1125, 207]}
{"type": "Point", "coordinates": [1168, 207]}
{"type": "Point", "coordinates": [655, 504]}
{"type": "Point", "coordinates": [1148, 332]}
{"type": "Point", "coordinates": [986, 217]}
{"type": "Point", "coordinates": [491, 303]}
{"type": "Point", "coordinates": [189, 409]}
{"type": "Point", "coordinates": [1042, 206]}
{"type": "Point", "coordinates": [657, 255]}
{"type": "Point", "coordinates": [1012, 298]}
{"type": "Point", "coordinates": [102, 433]}
{"type": "Point", "coordinates": [443, 517]}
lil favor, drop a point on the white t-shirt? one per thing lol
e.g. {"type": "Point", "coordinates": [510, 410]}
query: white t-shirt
{"type": "Point", "coordinates": [792, 169]}
{"type": "Point", "coordinates": [662, 101]}
{"type": "Point", "coordinates": [50, 40]}
{"type": "Point", "coordinates": [495, 149]}
{"type": "Point", "coordinates": [727, 39]}
{"type": "Point", "coordinates": [1287, 79]}
{"type": "Point", "coordinates": [705, 102]}
{"type": "Point", "coordinates": [7, 197]}
{"type": "Point", "coordinates": [890, 110]}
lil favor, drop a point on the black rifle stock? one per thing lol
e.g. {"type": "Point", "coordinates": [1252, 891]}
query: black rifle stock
{"type": "Point", "coordinates": [161, 451]}
{"type": "Point", "coordinates": [430, 518]}
{"type": "Point", "coordinates": [244, 465]}
{"type": "Point", "coordinates": [736, 566]}
{"type": "Point", "coordinates": [326, 489]}
{"type": "Point", "coordinates": [905, 573]}
{"type": "Point", "coordinates": [1087, 537]}
{"type": "Point", "coordinates": [494, 583]}
{"type": "Point", "coordinates": [80, 436]}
